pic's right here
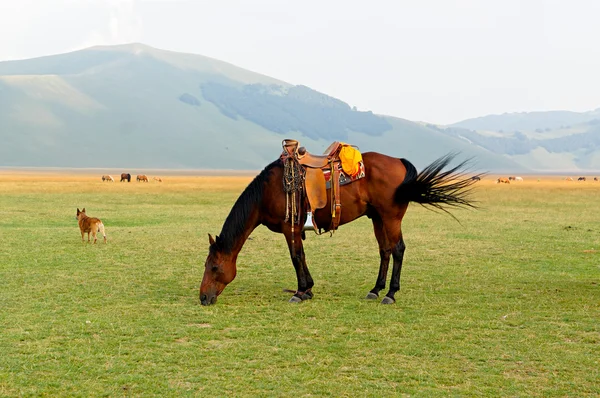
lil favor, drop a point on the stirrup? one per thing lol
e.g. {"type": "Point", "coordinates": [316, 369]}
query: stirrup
{"type": "Point", "coordinates": [308, 225]}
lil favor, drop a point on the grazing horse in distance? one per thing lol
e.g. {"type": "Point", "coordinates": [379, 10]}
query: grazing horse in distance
{"type": "Point", "coordinates": [569, 179]}
{"type": "Point", "coordinates": [126, 177]}
{"type": "Point", "coordinates": [157, 179]}
{"type": "Point", "coordinates": [476, 178]}
{"type": "Point", "coordinates": [383, 194]}
{"type": "Point", "coordinates": [512, 178]}
{"type": "Point", "coordinates": [581, 179]}
{"type": "Point", "coordinates": [108, 178]}
{"type": "Point", "coordinates": [518, 178]}
{"type": "Point", "coordinates": [503, 180]}
{"type": "Point", "coordinates": [595, 178]}
{"type": "Point", "coordinates": [142, 177]}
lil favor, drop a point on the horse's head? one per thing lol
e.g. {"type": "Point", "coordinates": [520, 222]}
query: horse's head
{"type": "Point", "coordinates": [219, 271]}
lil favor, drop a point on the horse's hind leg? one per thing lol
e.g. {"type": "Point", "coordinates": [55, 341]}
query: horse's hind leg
{"type": "Point", "coordinates": [385, 252]}
{"type": "Point", "coordinates": [398, 254]}
{"type": "Point", "coordinates": [305, 281]}
{"type": "Point", "coordinates": [394, 234]}
{"type": "Point", "coordinates": [393, 230]}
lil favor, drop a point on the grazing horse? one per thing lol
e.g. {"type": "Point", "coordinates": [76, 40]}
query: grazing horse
{"type": "Point", "coordinates": [142, 177]}
{"type": "Point", "coordinates": [382, 195]}
{"type": "Point", "coordinates": [503, 180]}
{"type": "Point", "coordinates": [595, 178]}
{"type": "Point", "coordinates": [581, 179]}
{"type": "Point", "coordinates": [512, 178]}
{"type": "Point", "coordinates": [476, 178]}
{"type": "Point", "coordinates": [126, 177]}
{"type": "Point", "coordinates": [157, 179]}
{"type": "Point", "coordinates": [518, 178]}
{"type": "Point", "coordinates": [569, 179]}
{"type": "Point", "coordinates": [108, 178]}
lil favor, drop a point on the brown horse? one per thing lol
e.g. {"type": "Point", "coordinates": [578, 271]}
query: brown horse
{"type": "Point", "coordinates": [107, 178]}
{"type": "Point", "coordinates": [142, 177]}
{"type": "Point", "coordinates": [125, 177]}
{"type": "Point", "coordinates": [503, 180]}
{"type": "Point", "coordinates": [382, 195]}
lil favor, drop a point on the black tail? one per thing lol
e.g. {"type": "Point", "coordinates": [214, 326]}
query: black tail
{"type": "Point", "coordinates": [435, 187]}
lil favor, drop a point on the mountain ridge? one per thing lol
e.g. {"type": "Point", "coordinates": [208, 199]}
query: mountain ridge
{"type": "Point", "coordinates": [554, 140]}
{"type": "Point", "coordinates": [137, 106]}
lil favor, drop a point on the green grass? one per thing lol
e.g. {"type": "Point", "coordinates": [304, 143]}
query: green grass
{"type": "Point", "coordinates": [507, 303]}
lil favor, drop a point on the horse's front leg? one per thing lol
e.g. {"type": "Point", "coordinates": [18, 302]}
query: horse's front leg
{"type": "Point", "coordinates": [305, 281]}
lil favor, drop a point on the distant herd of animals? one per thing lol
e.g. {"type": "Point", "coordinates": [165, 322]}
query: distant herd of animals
{"type": "Point", "coordinates": [127, 177]}
{"type": "Point", "coordinates": [580, 179]}
{"type": "Point", "coordinates": [507, 180]}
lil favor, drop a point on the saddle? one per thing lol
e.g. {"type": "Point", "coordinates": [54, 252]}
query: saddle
{"type": "Point", "coordinates": [312, 170]}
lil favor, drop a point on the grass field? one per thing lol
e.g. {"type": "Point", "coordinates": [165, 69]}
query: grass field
{"type": "Point", "coordinates": [506, 303]}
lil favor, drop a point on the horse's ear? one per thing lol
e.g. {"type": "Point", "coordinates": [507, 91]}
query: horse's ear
{"type": "Point", "coordinates": [78, 210]}
{"type": "Point", "coordinates": [211, 240]}
{"type": "Point", "coordinates": [83, 210]}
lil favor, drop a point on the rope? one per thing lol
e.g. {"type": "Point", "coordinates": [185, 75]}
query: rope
{"type": "Point", "coordinates": [293, 183]}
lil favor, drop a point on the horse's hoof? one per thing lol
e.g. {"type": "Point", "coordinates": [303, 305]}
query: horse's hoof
{"type": "Point", "coordinates": [307, 296]}
{"type": "Point", "coordinates": [295, 299]}
{"type": "Point", "coordinates": [388, 300]}
{"type": "Point", "coordinates": [372, 296]}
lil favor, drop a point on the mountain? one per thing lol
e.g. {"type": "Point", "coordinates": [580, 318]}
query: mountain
{"type": "Point", "coordinates": [544, 141]}
{"type": "Point", "coordinates": [528, 121]}
{"type": "Point", "coordinates": [134, 106]}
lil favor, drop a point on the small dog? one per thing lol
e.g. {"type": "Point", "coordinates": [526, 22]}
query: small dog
{"type": "Point", "coordinates": [89, 224]}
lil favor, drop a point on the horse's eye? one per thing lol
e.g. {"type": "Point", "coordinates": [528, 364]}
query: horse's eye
{"type": "Point", "coordinates": [214, 268]}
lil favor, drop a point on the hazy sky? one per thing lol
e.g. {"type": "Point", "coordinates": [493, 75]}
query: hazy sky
{"type": "Point", "coordinates": [439, 61]}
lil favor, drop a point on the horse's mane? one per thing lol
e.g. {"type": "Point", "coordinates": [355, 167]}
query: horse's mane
{"type": "Point", "coordinates": [235, 223]}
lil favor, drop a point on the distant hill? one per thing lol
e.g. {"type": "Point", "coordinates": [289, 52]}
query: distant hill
{"type": "Point", "coordinates": [134, 106]}
{"type": "Point", "coordinates": [544, 141]}
{"type": "Point", "coordinates": [528, 121]}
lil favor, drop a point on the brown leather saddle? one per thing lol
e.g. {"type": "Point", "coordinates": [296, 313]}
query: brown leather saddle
{"type": "Point", "coordinates": [313, 168]}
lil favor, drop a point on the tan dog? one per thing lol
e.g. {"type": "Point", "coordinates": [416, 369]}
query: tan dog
{"type": "Point", "coordinates": [89, 224]}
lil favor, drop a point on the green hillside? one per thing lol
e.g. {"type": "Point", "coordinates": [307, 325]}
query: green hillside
{"type": "Point", "coordinates": [550, 141]}
{"type": "Point", "coordinates": [136, 106]}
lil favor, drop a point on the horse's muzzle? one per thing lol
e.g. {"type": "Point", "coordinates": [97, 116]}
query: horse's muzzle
{"type": "Point", "coordinates": [206, 300]}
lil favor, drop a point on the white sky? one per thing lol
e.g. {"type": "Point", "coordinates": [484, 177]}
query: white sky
{"type": "Point", "coordinates": [438, 61]}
